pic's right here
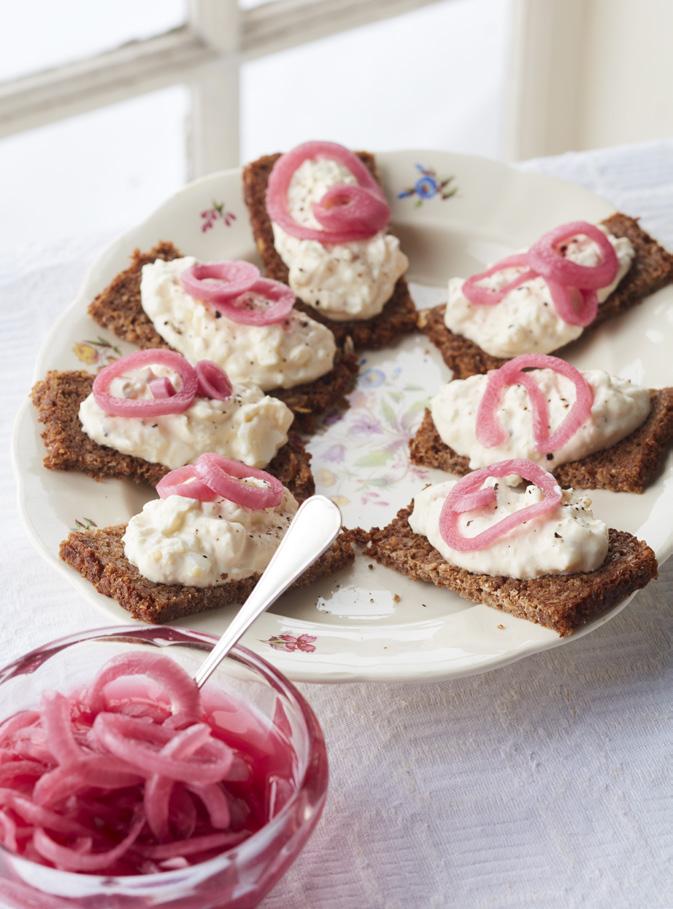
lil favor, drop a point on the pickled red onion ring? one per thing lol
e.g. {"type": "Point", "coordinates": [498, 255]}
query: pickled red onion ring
{"type": "Point", "coordinates": [565, 302]}
{"type": "Point", "coordinates": [182, 695]}
{"type": "Point", "coordinates": [58, 728]}
{"type": "Point", "coordinates": [352, 208]}
{"type": "Point", "coordinates": [161, 388]}
{"type": "Point", "coordinates": [279, 297]}
{"type": "Point", "coordinates": [159, 788]}
{"type": "Point", "coordinates": [190, 846]}
{"type": "Point", "coordinates": [572, 287]}
{"type": "Point", "coordinates": [347, 213]}
{"type": "Point", "coordinates": [225, 477]}
{"type": "Point", "coordinates": [117, 733]}
{"type": "Point", "coordinates": [213, 382]}
{"type": "Point", "coordinates": [481, 295]}
{"type": "Point", "coordinates": [489, 430]}
{"type": "Point", "coordinates": [142, 407]}
{"type": "Point", "coordinates": [219, 282]}
{"type": "Point", "coordinates": [72, 860]}
{"type": "Point", "coordinates": [545, 257]}
{"type": "Point", "coordinates": [470, 485]}
{"type": "Point", "coordinates": [184, 481]}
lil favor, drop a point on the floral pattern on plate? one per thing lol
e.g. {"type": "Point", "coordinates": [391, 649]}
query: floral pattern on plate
{"type": "Point", "coordinates": [217, 212]}
{"type": "Point", "coordinates": [362, 457]}
{"type": "Point", "coordinates": [428, 186]}
{"type": "Point", "coordinates": [96, 352]}
{"type": "Point", "coordinates": [292, 642]}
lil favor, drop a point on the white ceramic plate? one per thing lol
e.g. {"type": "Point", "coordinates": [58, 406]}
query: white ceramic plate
{"type": "Point", "coordinates": [368, 622]}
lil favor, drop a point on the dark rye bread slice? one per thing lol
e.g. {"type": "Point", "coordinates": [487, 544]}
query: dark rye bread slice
{"type": "Point", "coordinates": [628, 466]}
{"type": "Point", "coordinates": [652, 269]}
{"type": "Point", "coordinates": [98, 555]}
{"type": "Point", "coordinates": [118, 308]}
{"type": "Point", "coordinates": [398, 316]}
{"type": "Point", "coordinates": [57, 398]}
{"type": "Point", "coordinates": [559, 602]}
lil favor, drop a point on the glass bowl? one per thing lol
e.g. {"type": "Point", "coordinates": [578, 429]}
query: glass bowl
{"type": "Point", "coordinates": [236, 879]}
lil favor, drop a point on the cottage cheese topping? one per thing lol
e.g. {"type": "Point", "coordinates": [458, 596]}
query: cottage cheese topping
{"type": "Point", "coordinates": [345, 280]}
{"type": "Point", "coordinates": [271, 356]}
{"type": "Point", "coordinates": [569, 540]}
{"type": "Point", "coordinates": [201, 544]}
{"type": "Point", "coordinates": [618, 409]}
{"type": "Point", "coordinates": [249, 426]}
{"type": "Point", "coordinates": [526, 321]}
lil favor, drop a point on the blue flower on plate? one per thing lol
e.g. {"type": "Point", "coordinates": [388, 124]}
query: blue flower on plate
{"type": "Point", "coordinates": [426, 187]}
{"type": "Point", "coordinates": [429, 185]}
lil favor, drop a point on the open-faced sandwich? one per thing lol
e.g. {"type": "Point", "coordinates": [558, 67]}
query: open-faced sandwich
{"type": "Point", "coordinates": [591, 429]}
{"type": "Point", "coordinates": [530, 549]}
{"type": "Point", "coordinates": [569, 281]}
{"type": "Point", "coordinates": [226, 313]}
{"type": "Point", "coordinates": [201, 545]}
{"type": "Point", "coordinates": [320, 221]}
{"type": "Point", "coordinates": [152, 411]}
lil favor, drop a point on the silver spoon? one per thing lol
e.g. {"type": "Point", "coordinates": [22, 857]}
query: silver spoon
{"type": "Point", "coordinates": [315, 525]}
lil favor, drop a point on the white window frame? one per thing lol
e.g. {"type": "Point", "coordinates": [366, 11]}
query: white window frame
{"type": "Point", "coordinates": [205, 53]}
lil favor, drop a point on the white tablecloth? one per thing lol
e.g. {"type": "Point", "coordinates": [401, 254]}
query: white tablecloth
{"type": "Point", "coordinates": [545, 784]}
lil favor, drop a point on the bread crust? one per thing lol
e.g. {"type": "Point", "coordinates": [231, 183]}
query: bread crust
{"type": "Point", "coordinates": [560, 602]}
{"type": "Point", "coordinates": [98, 555]}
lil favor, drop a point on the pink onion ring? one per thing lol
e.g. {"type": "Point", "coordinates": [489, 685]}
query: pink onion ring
{"type": "Point", "coordinates": [346, 213]}
{"type": "Point", "coordinates": [219, 282]}
{"type": "Point", "coordinates": [213, 382]}
{"type": "Point", "coordinates": [161, 388]}
{"type": "Point", "coordinates": [158, 788]}
{"type": "Point", "coordinates": [572, 287]}
{"type": "Point", "coordinates": [116, 733]}
{"type": "Point", "coordinates": [471, 484]}
{"type": "Point", "coordinates": [225, 476]}
{"type": "Point", "coordinates": [565, 302]}
{"type": "Point", "coordinates": [182, 694]}
{"type": "Point", "coordinates": [544, 256]}
{"type": "Point", "coordinates": [243, 309]}
{"type": "Point", "coordinates": [490, 432]}
{"type": "Point", "coordinates": [184, 481]}
{"type": "Point", "coordinates": [141, 407]}
{"type": "Point", "coordinates": [71, 860]}
{"type": "Point", "coordinates": [480, 295]}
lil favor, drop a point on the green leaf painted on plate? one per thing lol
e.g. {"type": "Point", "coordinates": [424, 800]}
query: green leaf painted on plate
{"type": "Point", "coordinates": [373, 459]}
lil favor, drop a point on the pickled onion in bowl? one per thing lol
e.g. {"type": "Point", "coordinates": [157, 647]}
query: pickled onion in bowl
{"type": "Point", "coordinates": [137, 775]}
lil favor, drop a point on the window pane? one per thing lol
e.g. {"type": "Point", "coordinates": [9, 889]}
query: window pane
{"type": "Point", "coordinates": [99, 172]}
{"type": "Point", "coordinates": [39, 34]}
{"type": "Point", "coordinates": [432, 78]}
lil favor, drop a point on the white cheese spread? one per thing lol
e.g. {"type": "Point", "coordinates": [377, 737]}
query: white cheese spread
{"type": "Point", "coordinates": [201, 544]}
{"type": "Point", "coordinates": [272, 356]}
{"type": "Point", "coordinates": [526, 321]}
{"type": "Point", "coordinates": [248, 426]}
{"type": "Point", "coordinates": [342, 280]}
{"type": "Point", "coordinates": [566, 541]}
{"type": "Point", "coordinates": [618, 409]}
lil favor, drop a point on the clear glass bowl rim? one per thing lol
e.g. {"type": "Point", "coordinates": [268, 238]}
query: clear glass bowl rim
{"type": "Point", "coordinates": [245, 850]}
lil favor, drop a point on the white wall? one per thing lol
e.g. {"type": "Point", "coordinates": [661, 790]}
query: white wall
{"type": "Point", "coordinates": [628, 72]}
{"type": "Point", "coordinates": [588, 74]}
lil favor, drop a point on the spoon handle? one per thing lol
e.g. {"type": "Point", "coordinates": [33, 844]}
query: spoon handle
{"type": "Point", "coordinates": [315, 525]}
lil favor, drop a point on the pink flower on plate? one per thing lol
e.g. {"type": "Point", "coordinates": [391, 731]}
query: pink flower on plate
{"type": "Point", "coordinates": [292, 642]}
{"type": "Point", "coordinates": [217, 212]}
